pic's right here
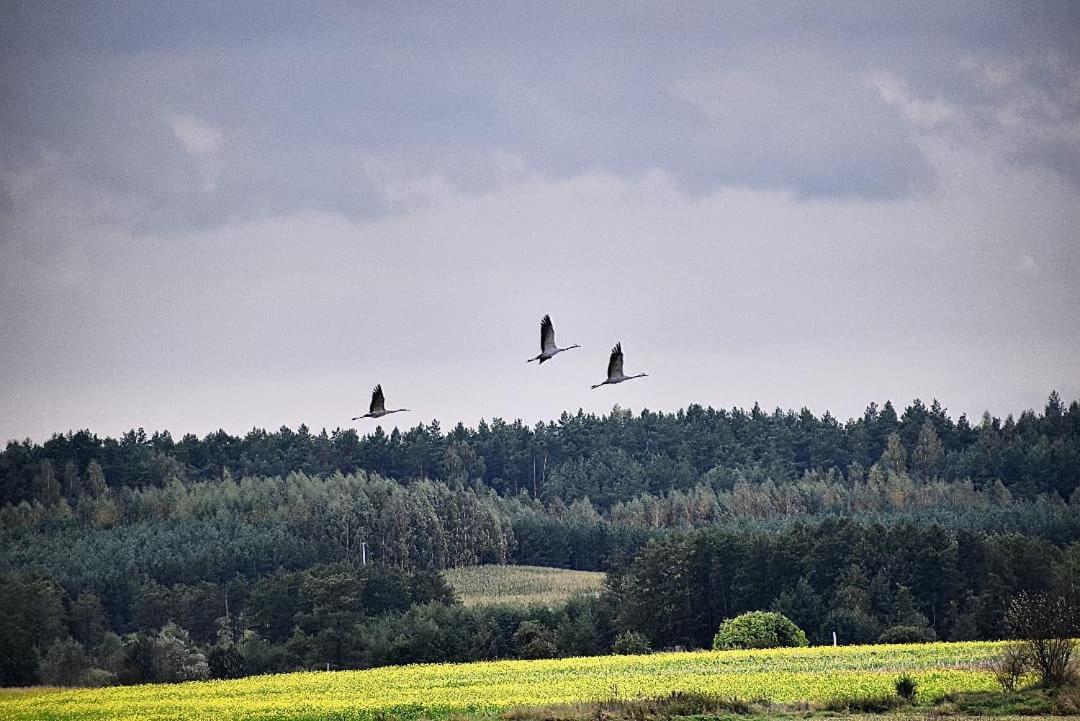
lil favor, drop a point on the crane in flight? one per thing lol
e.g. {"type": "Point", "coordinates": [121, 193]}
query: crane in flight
{"type": "Point", "coordinates": [548, 349]}
{"type": "Point", "coordinates": [614, 368]}
{"type": "Point", "coordinates": [378, 406]}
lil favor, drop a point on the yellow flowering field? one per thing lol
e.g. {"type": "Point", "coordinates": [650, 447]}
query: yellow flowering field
{"type": "Point", "coordinates": [434, 690]}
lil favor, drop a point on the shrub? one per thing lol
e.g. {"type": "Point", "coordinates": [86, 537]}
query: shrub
{"type": "Point", "coordinates": [759, 629]}
{"type": "Point", "coordinates": [1010, 666]}
{"type": "Point", "coordinates": [175, 657]}
{"type": "Point", "coordinates": [631, 643]}
{"type": "Point", "coordinates": [907, 634]}
{"type": "Point", "coordinates": [65, 663]}
{"type": "Point", "coordinates": [225, 662]}
{"type": "Point", "coordinates": [534, 640]}
{"type": "Point", "coordinates": [1046, 627]}
{"type": "Point", "coordinates": [906, 687]}
{"type": "Point", "coordinates": [97, 677]}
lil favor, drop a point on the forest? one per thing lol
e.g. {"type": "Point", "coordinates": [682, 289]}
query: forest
{"type": "Point", "coordinates": [146, 558]}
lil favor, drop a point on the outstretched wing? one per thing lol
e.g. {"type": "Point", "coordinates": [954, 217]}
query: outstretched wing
{"type": "Point", "coordinates": [378, 402]}
{"type": "Point", "coordinates": [614, 364]}
{"type": "Point", "coordinates": [547, 334]}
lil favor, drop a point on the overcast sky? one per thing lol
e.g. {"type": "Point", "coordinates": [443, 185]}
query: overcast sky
{"type": "Point", "coordinates": [247, 214]}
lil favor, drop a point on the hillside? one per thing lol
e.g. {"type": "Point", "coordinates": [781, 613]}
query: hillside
{"type": "Point", "coordinates": [145, 559]}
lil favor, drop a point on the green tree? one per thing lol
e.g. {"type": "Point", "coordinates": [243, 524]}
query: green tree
{"type": "Point", "coordinates": [46, 486]}
{"type": "Point", "coordinates": [929, 454]}
{"type": "Point", "coordinates": [175, 656]}
{"type": "Point", "coordinates": [759, 629]}
{"type": "Point", "coordinates": [87, 620]}
{"type": "Point", "coordinates": [631, 643]}
{"type": "Point", "coordinates": [534, 639]}
{"type": "Point", "coordinates": [65, 663]}
{"type": "Point", "coordinates": [95, 479]}
{"type": "Point", "coordinates": [894, 458]}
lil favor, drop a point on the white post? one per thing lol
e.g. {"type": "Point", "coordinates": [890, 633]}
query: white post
{"type": "Point", "coordinates": [834, 638]}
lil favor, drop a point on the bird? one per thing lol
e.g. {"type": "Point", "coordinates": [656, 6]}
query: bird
{"type": "Point", "coordinates": [614, 368]}
{"type": "Point", "coordinates": [548, 349]}
{"type": "Point", "coordinates": [378, 406]}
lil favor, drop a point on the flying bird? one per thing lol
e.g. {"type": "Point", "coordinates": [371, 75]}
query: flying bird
{"type": "Point", "coordinates": [378, 406]}
{"type": "Point", "coordinates": [614, 368]}
{"type": "Point", "coordinates": [548, 349]}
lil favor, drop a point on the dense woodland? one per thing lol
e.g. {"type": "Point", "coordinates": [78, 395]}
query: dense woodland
{"type": "Point", "coordinates": [145, 558]}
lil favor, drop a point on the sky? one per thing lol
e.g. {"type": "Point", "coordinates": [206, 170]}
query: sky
{"type": "Point", "coordinates": [247, 214]}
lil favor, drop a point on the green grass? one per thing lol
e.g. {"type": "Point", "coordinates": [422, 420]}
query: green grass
{"type": "Point", "coordinates": [489, 585]}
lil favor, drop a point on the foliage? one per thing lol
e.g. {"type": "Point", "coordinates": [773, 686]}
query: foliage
{"type": "Point", "coordinates": [1046, 626]}
{"type": "Point", "coordinates": [175, 657]}
{"type": "Point", "coordinates": [534, 640]}
{"type": "Point", "coordinates": [64, 664]}
{"type": "Point", "coordinates": [818, 675]}
{"type": "Point", "coordinates": [907, 634]}
{"type": "Point", "coordinates": [910, 522]}
{"type": "Point", "coordinates": [759, 629]}
{"type": "Point", "coordinates": [906, 686]}
{"type": "Point", "coordinates": [606, 458]}
{"type": "Point", "coordinates": [1010, 666]}
{"type": "Point", "coordinates": [631, 643]}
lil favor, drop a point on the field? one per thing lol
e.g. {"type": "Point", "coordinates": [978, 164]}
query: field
{"type": "Point", "coordinates": [487, 585]}
{"type": "Point", "coordinates": [433, 691]}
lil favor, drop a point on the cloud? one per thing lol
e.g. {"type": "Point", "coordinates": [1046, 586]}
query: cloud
{"type": "Point", "coordinates": [196, 136]}
{"type": "Point", "coordinates": [713, 185]}
{"type": "Point", "coordinates": [709, 293]}
{"type": "Point", "coordinates": [924, 113]}
{"type": "Point", "coordinates": [201, 141]}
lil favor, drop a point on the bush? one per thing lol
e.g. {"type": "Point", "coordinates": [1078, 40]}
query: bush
{"type": "Point", "coordinates": [907, 634]}
{"type": "Point", "coordinates": [1010, 667]}
{"type": "Point", "coordinates": [759, 629]}
{"type": "Point", "coordinates": [97, 677]}
{"type": "Point", "coordinates": [1046, 627]}
{"type": "Point", "coordinates": [631, 643]}
{"type": "Point", "coordinates": [65, 663]}
{"type": "Point", "coordinates": [175, 657]}
{"type": "Point", "coordinates": [534, 640]}
{"type": "Point", "coordinates": [906, 687]}
{"type": "Point", "coordinates": [225, 662]}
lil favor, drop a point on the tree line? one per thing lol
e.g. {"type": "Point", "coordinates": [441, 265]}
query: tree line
{"type": "Point", "coordinates": [144, 559]}
{"type": "Point", "coordinates": [608, 458]}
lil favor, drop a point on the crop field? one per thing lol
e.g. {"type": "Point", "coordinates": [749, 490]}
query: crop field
{"type": "Point", "coordinates": [433, 691]}
{"type": "Point", "coordinates": [488, 585]}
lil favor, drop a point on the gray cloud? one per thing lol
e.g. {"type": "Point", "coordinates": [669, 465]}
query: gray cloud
{"type": "Point", "coordinates": [246, 215]}
{"type": "Point", "coordinates": [767, 98]}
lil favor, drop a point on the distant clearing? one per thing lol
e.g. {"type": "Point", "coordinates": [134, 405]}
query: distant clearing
{"type": "Point", "coordinates": [490, 585]}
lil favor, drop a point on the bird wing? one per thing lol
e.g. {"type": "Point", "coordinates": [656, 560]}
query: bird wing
{"type": "Point", "coordinates": [614, 364]}
{"type": "Point", "coordinates": [547, 334]}
{"type": "Point", "coordinates": [378, 402]}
